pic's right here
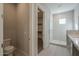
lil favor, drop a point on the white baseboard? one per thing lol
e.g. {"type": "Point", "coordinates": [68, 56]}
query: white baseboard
{"type": "Point", "coordinates": [57, 42]}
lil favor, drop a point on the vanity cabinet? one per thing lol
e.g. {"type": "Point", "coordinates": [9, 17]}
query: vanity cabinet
{"type": "Point", "coordinates": [73, 42]}
{"type": "Point", "coordinates": [75, 51]}
{"type": "Point", "coordinates": [69, 45]}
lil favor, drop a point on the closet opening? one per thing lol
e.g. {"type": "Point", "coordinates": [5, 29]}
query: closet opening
{"type": "Point", "coordinates": [40, 30]}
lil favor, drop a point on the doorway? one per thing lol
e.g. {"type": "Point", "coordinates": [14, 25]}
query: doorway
{"type": "Point", "coordinates": [16, 29]}
{"type": "Point", "coordinates": [61, 23]}
{"type": "Point", "coordinates": [40, 30]}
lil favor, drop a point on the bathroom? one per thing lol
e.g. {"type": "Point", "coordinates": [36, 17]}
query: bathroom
{"type": "Point", "coordinates": [16, 29]}
{"type": "Point", "coordinates": [21, 28]}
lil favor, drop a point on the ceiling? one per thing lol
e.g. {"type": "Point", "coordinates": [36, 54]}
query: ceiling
{"type": "Point", "coordinates": [60, 7]}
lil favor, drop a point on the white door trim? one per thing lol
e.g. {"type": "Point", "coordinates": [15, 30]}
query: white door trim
{"type": "Point", "coordinates": [1, 29]}
{"type": "Point", "coordinates": [34, 28]}
{"type": "Point", "coordinates": [32, 32]}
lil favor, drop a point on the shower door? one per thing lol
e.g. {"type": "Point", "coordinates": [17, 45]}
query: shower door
{"type": "Point", "coordinates": [1, 29]}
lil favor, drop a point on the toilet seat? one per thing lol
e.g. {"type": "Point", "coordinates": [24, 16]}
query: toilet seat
{"type": "Point", "coordinates": [9, 49]}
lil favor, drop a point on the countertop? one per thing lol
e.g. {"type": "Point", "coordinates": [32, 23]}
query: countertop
{"type": "Point", "coordinates": [74, 37]}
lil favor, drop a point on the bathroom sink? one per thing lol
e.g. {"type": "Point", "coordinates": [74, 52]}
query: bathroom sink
{"type": "Point", "coordinates": [74, 38]}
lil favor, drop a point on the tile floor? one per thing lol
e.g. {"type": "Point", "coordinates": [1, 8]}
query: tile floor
{"type": "Point", "coordinates": [54, 50]}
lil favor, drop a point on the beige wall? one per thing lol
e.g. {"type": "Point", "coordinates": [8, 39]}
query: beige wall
{"type": "Point", "coordinates": [16, 25]}
{"type": "Point", "coordinates": [23, 27]}
{"type": "Point", "coordinates": [10, 21]}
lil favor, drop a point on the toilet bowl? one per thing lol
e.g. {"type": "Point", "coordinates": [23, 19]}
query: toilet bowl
{"type": "Point", "coordinates": [8, 48]}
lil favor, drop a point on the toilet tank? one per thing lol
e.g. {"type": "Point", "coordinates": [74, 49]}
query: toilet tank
{"type": "Point", "coordinates": [6, 42]}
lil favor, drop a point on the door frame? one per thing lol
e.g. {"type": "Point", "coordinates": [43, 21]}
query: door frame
{"type": "Point", "coordinates": [43, 25]}
{"type": "Point", "coordinates": [33, 43]}
{"type": "Point", "coordinates": [41, 8]}
{"type": "Point", "coordinates": [1, 30]}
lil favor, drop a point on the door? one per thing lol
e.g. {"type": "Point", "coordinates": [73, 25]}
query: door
{"type": "Point", "coordinates": [1, 29]}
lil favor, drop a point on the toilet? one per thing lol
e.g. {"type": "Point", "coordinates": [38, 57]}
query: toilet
{"type": "Point", "coordinates": [8, 49]}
